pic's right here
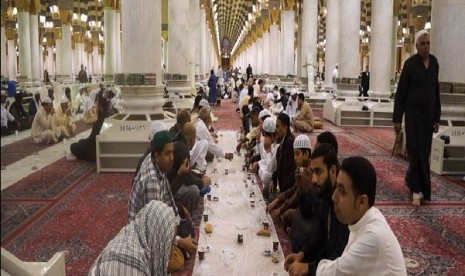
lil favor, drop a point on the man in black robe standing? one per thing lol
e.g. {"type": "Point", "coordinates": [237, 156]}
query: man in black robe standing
{"type": "Point", "coordinates": [418, 97]}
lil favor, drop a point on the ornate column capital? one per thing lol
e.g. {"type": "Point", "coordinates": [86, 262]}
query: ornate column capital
{"type": "Point", "coordinates": [288, 5]}
{"type": "Point", "coordinates": [109, 4]}
{"type": "Point", "coordinates": [34, 7]}
{"type": "Point", "coordinates": [10, 33]}
{"type": "Point", "coordinates": [65, 16]}
{"type": "Point", "coordinates": [23, 5]}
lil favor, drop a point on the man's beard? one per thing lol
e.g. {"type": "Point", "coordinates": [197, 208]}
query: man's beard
{"type": "Point", "coordinates": [326, 189]}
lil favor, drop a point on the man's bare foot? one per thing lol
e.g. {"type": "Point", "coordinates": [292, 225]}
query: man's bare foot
{"type": "Point", "coordinates": [416, 202]}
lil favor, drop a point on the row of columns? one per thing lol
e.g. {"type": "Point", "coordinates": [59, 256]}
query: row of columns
{"type": "Point", "coordinates": [343, 43]}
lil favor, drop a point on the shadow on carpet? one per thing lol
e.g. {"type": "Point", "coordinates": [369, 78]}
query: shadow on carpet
{"type": "Point", "coordinates": [23, 148]}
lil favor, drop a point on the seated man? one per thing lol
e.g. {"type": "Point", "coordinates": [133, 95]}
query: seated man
{"type": "Point", "coordinates": [62, 120]}
{"type": "Point", "coordinates": [185, 186]}
{"type": "Point", "coordinates": [255, 131]}
{"type": "Point", "coordinates": [267, 165]}
{"type": "Point", "coordinates": [182, 117]}
{"type": "Point", "coordinates": [42, 131]}
{"type": "Point", "coordinates": [373, 248]}
{"type": "Point", "coordinates": [143, 246]}
{"type": "Point", "coordinates": [202, 132]}
{"type": "Point", "coordinates": [80, 100]}
{"type": "Point", "coordinates": [34, 104]}
{"type": "Point", "coordinates": [303, 121]}
{"type": "Point", "coordinates": [151, 183]}
{"type": "Point", "coordinates": [324, 167]}
{"type": "Point", "coordinates": [9, 124]}
{"type": "Point", "coordinates": [21, 116]}
{"type": "Point", "coordinates": [283, 177]}
{"type": "Point", "coordinates": [285, 204]}
{"type": "Point", "coordinates": [90, 108]}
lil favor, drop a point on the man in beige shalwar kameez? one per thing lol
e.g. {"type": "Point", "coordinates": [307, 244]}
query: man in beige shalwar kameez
{"type": "Point", "coordinates": [303, 122]}
{"type": "Point", "coordinates": [42, 130]}
{"type": "Point", "coordinates": [62, 120]}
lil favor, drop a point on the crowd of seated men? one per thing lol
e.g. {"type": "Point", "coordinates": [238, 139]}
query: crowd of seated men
{"type": "Point", "coordinates": [326, 206]}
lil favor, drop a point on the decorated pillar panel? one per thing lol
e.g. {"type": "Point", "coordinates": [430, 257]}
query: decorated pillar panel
{"type": "Point", "coordinates": [259, 56]}
{"type": "Point", "coordinates": [50, 62]}
{"type": "Point", "coordinates": [349, 36]}
{"type": "Point", "coordinates": [110, 41]}
{"type": "Point", "coordinates": [118, 41]}
{"type": "Point", "coordinates": [447, 39]}
{"type": "Point", "coordinates": [67, 66]}
{"type": "Point", "coordinates": [381, 35]}
{"type": "Point", "coordinates": [332, 40]}
{"type": "Point", "coordinates": [35, 44]}
{"type": "Point", "coordinates": [266, 58]}
{"type": "Point", "coordinates": [178, 46]}
{"type": "Point", "coordinates": [273, 44]}
{"type": "Point", "coordinates": [287, 48]}
{"type": "Point", "coordinates": [309, 27]}
{"type": "Point", "coordinates": [203, 43]}
{"type": "Point", "coordinates": [12, 65]}
{"type": "Point", "coordinates": [4, 57]}
{"type": "Point", "coordinates": [141, 37]}
{"type": "Point", "coordinates": [24, 39]}
{"type": "Point", "coordinates": [59, 56]}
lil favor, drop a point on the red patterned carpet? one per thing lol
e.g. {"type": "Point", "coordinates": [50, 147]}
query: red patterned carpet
{"type": "Point", "coordinates": [23, 148]}
{"type": "Point", "coordinates": [68, 206]}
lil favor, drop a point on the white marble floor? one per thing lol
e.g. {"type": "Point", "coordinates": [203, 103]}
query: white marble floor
{"type": "Point", "coordinates": [26, 166]}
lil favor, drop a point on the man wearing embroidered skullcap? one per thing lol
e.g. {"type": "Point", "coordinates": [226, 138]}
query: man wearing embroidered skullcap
{"type": "Point", "coordinates": [151, 182]}
{"type": "Point", "coordinates": [284, 206]}
{"type": "Point", "coordinates": [42, 130]}
{"type": "Point", "coordinates": [417, 98]}
{"type": "Point", "coordinates": [62, 120]}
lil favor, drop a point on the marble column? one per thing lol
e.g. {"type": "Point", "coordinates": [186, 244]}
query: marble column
{"type": "Point", "coordinates": [4, 57]}
{"type": "Point", "coordinates": [35, 44]}
{"type": "Point", "coordinates": [287, 31]}
{"type": "Point", "coordinates": [109, 34]}
{"type": "Point", "coordinates": [349, 34]}
{"type": "Point", "coordinates": [273, 44]}
{"type": "Point", "coordinates": [50, 63]}
{"type": "Point", "coordinates": [393, 46]}
{"type": "Point", "coordinates": [194, 38]}
{"type": "Point", "coordinates": [95, 63]}
{"type": "Point", "coordinates": [24, 41]}
{"type": "Point", "coordinates": [447, 39]}
{"type": "Point", "coordinates": [12, 66]}
{"type": "Point", "coordinates": [309, 40]}
{"type": "Point", "coordinates": [381, 48]}
{"type": "Point", "coordinates": [59, 56]}
{"type": "Point", "coordinates": [203, 44]}
{"type": "Point", "coordinates": [178, 46]}
{"type": "Point", "coordinates": [141, 39]}
{"type": "Point", "coordinates": [349, 49]}
{"type": "Point", "coordinates": [266, 53]}
{"type": "Point", "coordinates": [118, 41]}
{"type": "Point", "coordinates": [332, 41]}
{"type": "Point", "coordinates": [259, 55]}
{"type": "Point", "coordinates": [280, 55]}
{"type": "Point", "coordinates": [66, 54]}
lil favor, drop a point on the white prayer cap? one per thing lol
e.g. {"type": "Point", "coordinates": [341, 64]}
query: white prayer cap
{"type": "Point", "coordinates": [263, 113]}
{"type": "Point", "coordinates": [420, 34]}
{"type": "Point", "coordinates": [156, 126]}
{"type": "Point", "coordinates": [36, 92]}
{"type": "Point", "coordinates": [293, 92]}
{"type": "Point", "coordinates": [275, 93]}
{"type": "Point", "coordinates": [46, 100]}
{"type": "Point", "coordinates": [269, 125]}
{"type": "Point", "coordinates": [204, 103]}
{"type": "Point", "coordinates": [63, 100]}
{"type": "Point", "coordinates": [302, 142]}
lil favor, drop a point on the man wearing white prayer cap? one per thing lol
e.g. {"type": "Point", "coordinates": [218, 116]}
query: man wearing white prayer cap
{"type": "Point", "coordinates": [62, 120]}
{"type": "Point", "coordinates": [267, 164]}
{"type": "Point", "coordinates": [42, 130]}
{"type": "Point", "coordinates": [417, 98]}
{"type": "Point", "coordinates": [291, 109]}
